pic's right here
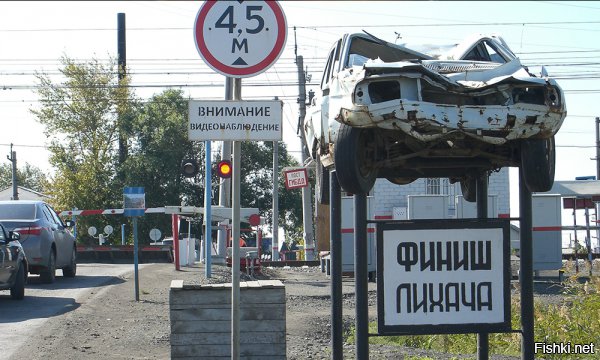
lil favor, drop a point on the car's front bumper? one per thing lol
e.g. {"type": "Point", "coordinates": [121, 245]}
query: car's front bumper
{"type": "Point", "coordinates": [427, 122]}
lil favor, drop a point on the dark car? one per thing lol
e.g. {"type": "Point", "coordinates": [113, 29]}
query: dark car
{"type": "Point", "coordinates": [13, 264]}
{"type": "Point", "coordinates": [48, 243]}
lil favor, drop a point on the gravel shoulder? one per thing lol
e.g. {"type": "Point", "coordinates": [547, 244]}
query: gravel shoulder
{"type": "Point", "coordinates": [110, 324]}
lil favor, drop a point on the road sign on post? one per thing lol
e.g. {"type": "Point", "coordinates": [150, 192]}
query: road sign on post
{"type": "Point", "coordinates": [296, 178]}
{"type": "Point", "coordinates": [443, 276]}
{"type": "Point", "coordinates": [134, 205]}
{"type": "Point", "coordinates": [240, 39]}
{"type": "Point", "coordinates": [134, 201]}
{"type": "Point", "coordinates": [258, 120]}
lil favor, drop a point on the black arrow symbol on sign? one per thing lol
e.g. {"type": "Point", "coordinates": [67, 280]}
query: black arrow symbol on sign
{"type": "Point", "coordinates": [239, 61]}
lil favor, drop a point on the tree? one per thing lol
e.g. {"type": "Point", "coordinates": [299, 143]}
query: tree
{"type": "Point", "coordinates": [83, 116]}
{"type": "Point", "coordinates": [257, 184]}
{"type": "Point", "coordinates": [159, 145]}
{"type": "Point", "coordinates": [29, 176]}
{"type": "Point", "coordinates": [79, 115]}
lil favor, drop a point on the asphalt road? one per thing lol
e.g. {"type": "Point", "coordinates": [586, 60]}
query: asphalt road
{"type": "Point", "coordinates": [19, 320]}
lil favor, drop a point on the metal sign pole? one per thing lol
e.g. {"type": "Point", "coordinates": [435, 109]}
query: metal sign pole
{"type": "Point", "coordinates": [335, 239]}
{"type": "Point", "coordinates": [275, 236]}
{"type": "Point", "coordinates": [135, 259]}
{"type": "Point", "coordinates": [361, 279]}
{"type": "Point", "coordinates": [235, 244]}
{"type": "Point", "coordinates": [526, 270]}
{"type": "Point", "coordinates": [207, 211]}
{"type": "Point", "coordinates": [483, 340]}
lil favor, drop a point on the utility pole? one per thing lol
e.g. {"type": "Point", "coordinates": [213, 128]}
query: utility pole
{"type": "Point", "coordinates": [275, 237]}
{"type": "Point", "coordinates": [121, 49]}
{"type": "Point", "coordinates": [597, 148]}
{"type": "Point", "coordinates": [13, 158]}
{"type": "Point", "coordinates": [307, 214]}
{"type": "Point", "coordinates": [596, 205]}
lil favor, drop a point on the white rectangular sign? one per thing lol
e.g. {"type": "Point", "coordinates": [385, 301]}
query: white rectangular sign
{"type": "Point", "coordinates": [296, 178]}
{"type": "Point", "coordinates": [235, 120]}
{"type": "Point", "coordinates": [442, 276]}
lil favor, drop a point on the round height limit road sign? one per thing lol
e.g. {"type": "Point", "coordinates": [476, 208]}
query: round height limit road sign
{"type": "Point", "coordinates": [240, 38]}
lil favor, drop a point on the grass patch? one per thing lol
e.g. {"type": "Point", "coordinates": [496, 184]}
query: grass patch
{"type": "Point", "coordinates": [575, 319]}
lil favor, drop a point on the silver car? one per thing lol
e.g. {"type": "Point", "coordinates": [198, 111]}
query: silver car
{"type": "Point", "coordinates": [389, 111]}
{"type": "Point", "coordinates": [48, 243]}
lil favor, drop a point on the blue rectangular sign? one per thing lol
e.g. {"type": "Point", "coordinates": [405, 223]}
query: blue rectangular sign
{"type": "Point", "coordinates": [134, 201]}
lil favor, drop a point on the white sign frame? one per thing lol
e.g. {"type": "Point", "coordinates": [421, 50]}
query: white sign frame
{"type": "Point", "coordinates": [227, 120]}
{"type": "Point", "coordinates": [404, 271]}
{"type": "Point", "coordinates": [240, 39]}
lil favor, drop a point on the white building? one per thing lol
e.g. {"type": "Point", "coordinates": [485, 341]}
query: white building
{"type": "Point", "coordinates": [388, 196]}
{"type": "Point", "coordinates": [23, 193]}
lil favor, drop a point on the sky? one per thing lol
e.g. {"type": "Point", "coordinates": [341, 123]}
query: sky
{"type": "Point", "coordinates": [161, 52]}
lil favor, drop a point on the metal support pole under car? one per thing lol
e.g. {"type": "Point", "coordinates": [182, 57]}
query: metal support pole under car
{"type": "Point", "coordinates": [335, 263]}
{"type": "Point", "coordinates": [361, 276]}
{"type": "Point", "coordinates": [235, 244]}
{"type": "Point", "coordinates": [526, 270]}
{"type": "Point", "coordinates": [483, 340]}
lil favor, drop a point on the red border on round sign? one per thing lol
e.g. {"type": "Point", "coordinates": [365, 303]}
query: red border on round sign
{"type": "Point", "coordinates": [233, 71]}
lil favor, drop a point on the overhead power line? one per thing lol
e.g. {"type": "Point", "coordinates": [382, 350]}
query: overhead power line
{"type": "Point", "coordinates": [187, 28]}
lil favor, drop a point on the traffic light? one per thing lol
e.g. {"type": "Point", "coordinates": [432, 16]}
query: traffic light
{"type": "Point", "coordinates": [189, 168]}
{"type": "Point", "coordinates": [224, 169]}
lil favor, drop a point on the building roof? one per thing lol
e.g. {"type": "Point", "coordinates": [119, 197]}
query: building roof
{"type": "Point", "coordinates": [23, 193]}
{"type": "Point", "coordinates": [583, 188]}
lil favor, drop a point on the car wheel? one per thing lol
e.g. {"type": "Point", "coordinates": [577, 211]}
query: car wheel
{"type": "Point", "coordinates": [17, 291]}
{"type": "Point", "coordinates": [468, 187]}
{"type": "Point", "coordinates": [400, 180]}
{"type": "Point", "coordinates": [354, 149]}
{"type": "Point", "coordinates": [321, 183]}
{"type": "Point", "coordinates": [48, 274]}
{"type": "Point", "coordinates": [538, 157]}
{"type": "Point", "coordinates": [71, 270]}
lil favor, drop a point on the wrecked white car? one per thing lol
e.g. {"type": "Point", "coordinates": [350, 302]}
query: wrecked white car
{"type": "Point", "coordinates": [386, 111]}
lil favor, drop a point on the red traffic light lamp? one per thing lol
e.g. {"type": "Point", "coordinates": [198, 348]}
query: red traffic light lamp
{"type": "Point", "coordinates": [224, 169]}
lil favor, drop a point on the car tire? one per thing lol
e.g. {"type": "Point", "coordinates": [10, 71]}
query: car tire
{"type": "Point", "coordinates": [321, 183]}
{"type": "Point", "coordinates": [400, 180]}
{"type": "Point", "coordinates": [48, 274]}
{"type": "Point", "coordinates": [353, 149]}
{"type": "Point", "coordinates": [17, 291]}
{"type": "Point", "coordinates": [538, 159]}
{"type": "Point", "coordinates": [71, 270]}
{"type": "Point", "coordinates": [468, 187]}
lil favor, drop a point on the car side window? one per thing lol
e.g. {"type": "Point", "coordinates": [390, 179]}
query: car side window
{"type": "Point", "coordinates": [54, 215]}
{"type": "Point", "coordinates": [493, 54]}
{"type": "Point", "coordinates": [327, 70]}
{"type": "Point", "coordinates": [47, 215]}
{"type": "Point", "coordinates": [332, 61]}
{"type": "Point", "coordinates": [478, 53]}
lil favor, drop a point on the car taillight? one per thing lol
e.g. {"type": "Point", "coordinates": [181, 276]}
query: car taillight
{"type": "Point", "coordinates": [31, 230]}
